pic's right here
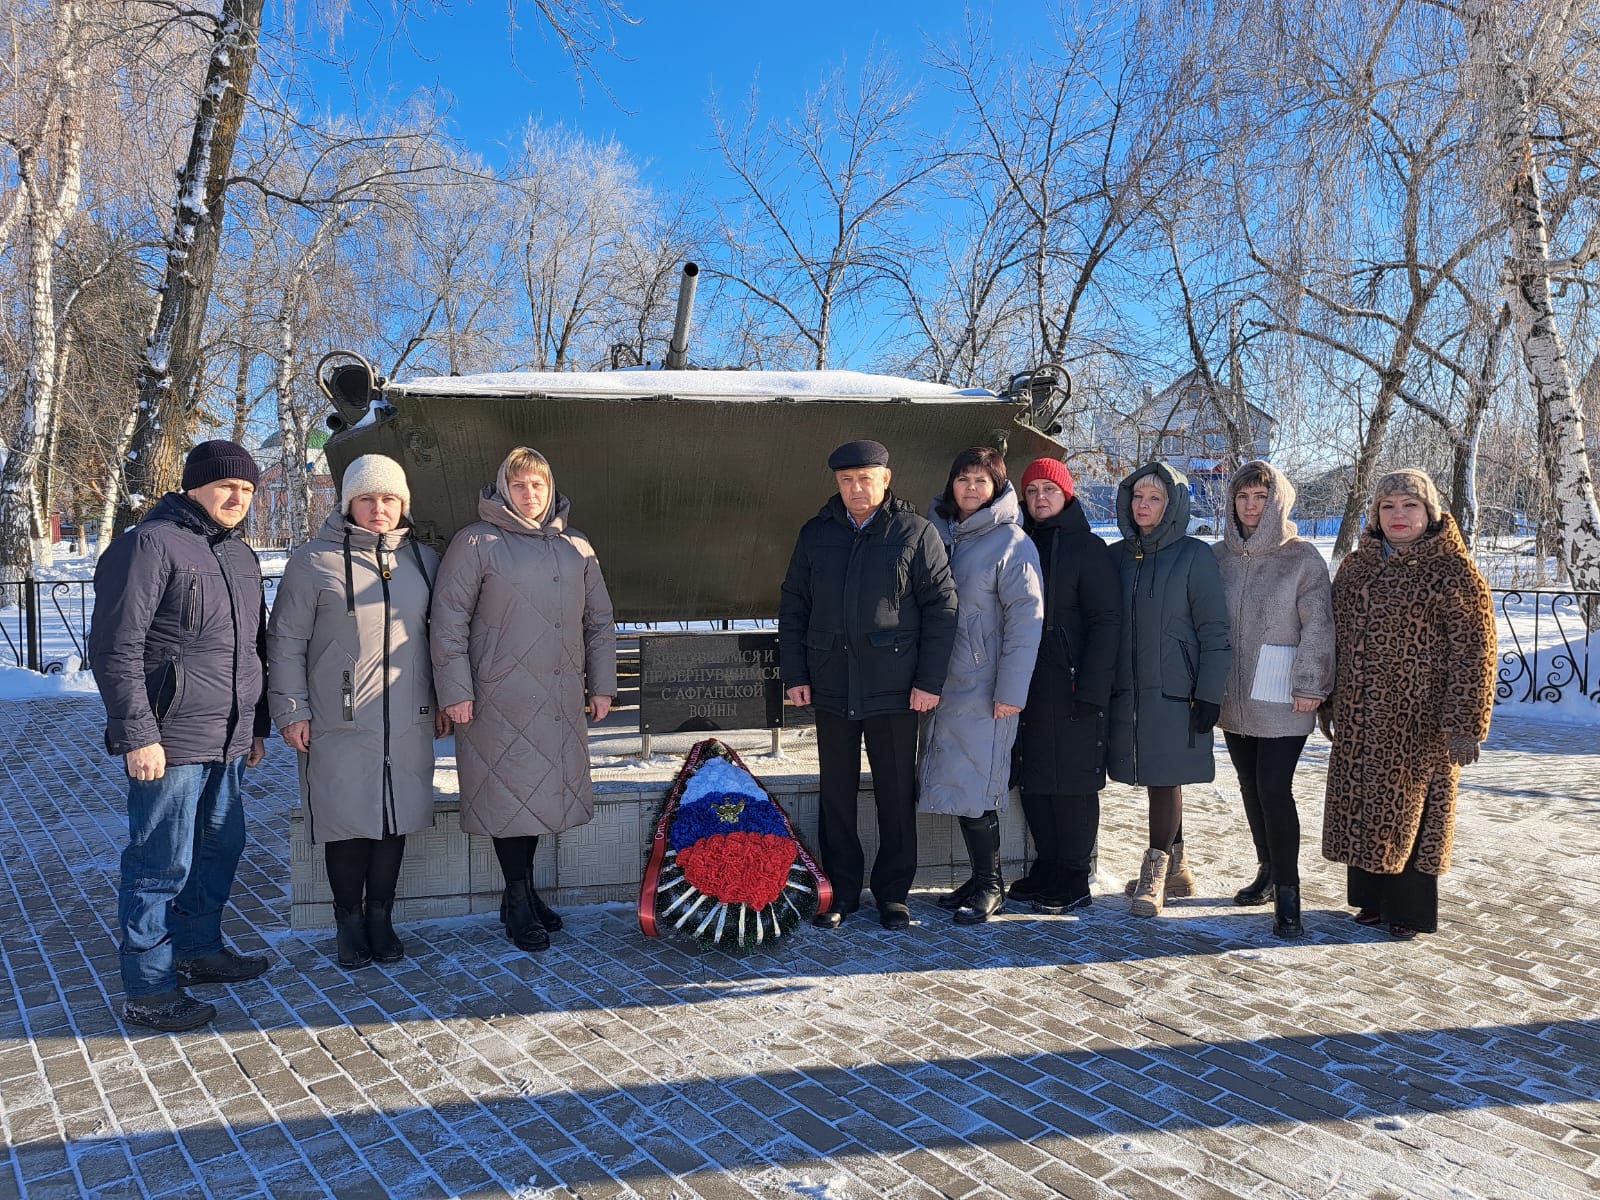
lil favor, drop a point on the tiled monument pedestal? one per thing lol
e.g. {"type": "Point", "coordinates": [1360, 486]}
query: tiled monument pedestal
{"type": "Point", "coordinates": [448, 873]}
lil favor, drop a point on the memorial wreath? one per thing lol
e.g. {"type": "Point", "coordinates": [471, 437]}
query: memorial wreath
{"type": "Point", "coordinates": [725, 862]}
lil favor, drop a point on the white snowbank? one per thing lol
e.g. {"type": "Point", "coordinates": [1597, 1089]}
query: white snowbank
{"type": "Point", "coordinates": [689, 385]}
{"type": "Point", "coordinates": [19, 683]}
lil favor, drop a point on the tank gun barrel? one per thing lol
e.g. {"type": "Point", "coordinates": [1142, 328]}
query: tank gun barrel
{"type": "Point", "coordinates": [678, 347]}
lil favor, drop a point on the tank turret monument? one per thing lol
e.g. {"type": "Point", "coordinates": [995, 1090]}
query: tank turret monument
{"type": "Point", "coordinates": [692, 485]}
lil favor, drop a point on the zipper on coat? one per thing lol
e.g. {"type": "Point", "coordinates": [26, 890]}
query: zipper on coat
{"type": "Point", "coordinates": [387, 804]}
{"type": "Point", "coordinates": [191, 601]}
{"type": "Point", "coordinates": [1133, 616]}
{"type": "Point", "coordinates": [1194, 681]}
{"type": "Point", "coordinates": [348, 698]}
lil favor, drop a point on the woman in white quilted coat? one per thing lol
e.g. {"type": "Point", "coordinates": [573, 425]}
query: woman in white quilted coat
{"type": "Point", "coordinates": [522, 637]}
{"type": "Point", "coordinates": [1280, 616]}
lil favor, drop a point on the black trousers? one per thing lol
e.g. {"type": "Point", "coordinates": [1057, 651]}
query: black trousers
{"type": "Point", "coordinates": [1266, 782]}
{"type": "Point", "coordinates": [364, 866]}
{"type": "Point", "coordinates": [1064, 829]}
{"type": "Point", "coordinates": [892, 754]}
{"type": "Point", "coordinates": [1409, 898]}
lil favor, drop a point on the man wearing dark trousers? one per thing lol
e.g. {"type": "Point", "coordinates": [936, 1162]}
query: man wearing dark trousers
{"type": "Point", "coordinates": [865, 627]}
{"type": "Point", "coordinates": [177, 645]}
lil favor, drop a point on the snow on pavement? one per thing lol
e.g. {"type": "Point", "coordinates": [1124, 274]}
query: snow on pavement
{"type": "Point", "coordinates": [1091, 1054]}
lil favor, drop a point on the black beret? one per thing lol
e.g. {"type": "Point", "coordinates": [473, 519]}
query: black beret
{"type": "Point", "coordinates": [858, 454]}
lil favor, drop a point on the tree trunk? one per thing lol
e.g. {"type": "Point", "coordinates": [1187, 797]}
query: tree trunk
{"type": "Point", "coordinates": [1464, 463]}
{"type": "Point", "coordinates": [114, 489]}
{"type": "Point", "coordinates": [49, 178]}
{"type": "Point", "coordinates": [1550, 378]}
{"type": "Point", "coordinates": [1577, 517]}
{"type": "Point", "coordinates": [1366, 470]}
{"type": "Point", "coordinates": [168, 369]}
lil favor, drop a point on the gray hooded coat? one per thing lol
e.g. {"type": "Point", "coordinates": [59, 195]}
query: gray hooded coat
{"type": "Point", "coordinates": [522, 627]}
{"type": "Point", "coordinates": [965, 766]}
{"type": "Point", "coordinates": [1280, 611]}
{"type": "Point", "coordinates": [347, 650]}
{"type": "Point", "coordinates": [1175, 645]}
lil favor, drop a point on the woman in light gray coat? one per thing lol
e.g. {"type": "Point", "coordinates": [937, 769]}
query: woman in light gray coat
{"type": "Point", "coordinates": [1172, 667]}
{"type": "Point", "coordinates": [965, 767]}
{"type": "Point", "coordinates": [522, 634]}
{"type": "Point", "coordinates": [350, 684]}
{"type": "Point", "coordinates": [1280, 616]}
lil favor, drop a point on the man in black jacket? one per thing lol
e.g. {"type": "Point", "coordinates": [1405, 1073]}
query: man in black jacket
{"type": "Point", "coordinates": [178, 646]}
{"type": "Point", "coordinates": [865, 628]}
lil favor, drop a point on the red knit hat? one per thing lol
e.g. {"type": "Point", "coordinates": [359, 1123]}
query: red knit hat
{"type": "Point", "coordinates": [1052, 469]}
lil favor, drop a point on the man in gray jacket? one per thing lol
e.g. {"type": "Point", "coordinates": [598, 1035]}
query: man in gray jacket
{"type": "Point", "coordinates": [865, 628]}
{"type": "Point", "coordinates": [177, 645]}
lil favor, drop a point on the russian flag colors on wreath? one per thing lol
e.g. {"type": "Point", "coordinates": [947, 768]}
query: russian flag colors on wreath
{"type": "Point", "coordinates": [725, 863]}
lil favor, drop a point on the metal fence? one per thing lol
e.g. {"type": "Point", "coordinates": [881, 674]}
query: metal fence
{"type": "Point", "coordinates": [44, 623]}
{"type": "Point", "coordinates": [1549, 646]}
{"type": "Point", "coordinates": [1549, 639]}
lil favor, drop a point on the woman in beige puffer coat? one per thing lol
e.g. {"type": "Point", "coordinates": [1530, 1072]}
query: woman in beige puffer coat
{"type": "Point", "coordinates": [1280, 620]}
{"type": "Point", "coordinates": [350, 685]}
{"type": "Point", "coordinates": [522, 632]}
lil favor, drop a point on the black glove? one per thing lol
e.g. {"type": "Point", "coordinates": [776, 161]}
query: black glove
{"type": "Point", "coordinates": [1085, 710]}
{"type": "Point", "coordinates": [1203, 716]}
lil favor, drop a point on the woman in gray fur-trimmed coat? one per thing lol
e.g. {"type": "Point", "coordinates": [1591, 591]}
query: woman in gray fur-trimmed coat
{"type": "Point", "coordinates": [1172, 667]}
{"type": "Point", "coordinates": [1280, 611]}
{"type": "Point", "coordinates": [350, 684]}
{"type": "Point", "coordinates": [965, 766]}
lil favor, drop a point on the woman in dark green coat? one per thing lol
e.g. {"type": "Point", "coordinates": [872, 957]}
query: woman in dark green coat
{"type": "Point", "coordinates": [1173, 664]}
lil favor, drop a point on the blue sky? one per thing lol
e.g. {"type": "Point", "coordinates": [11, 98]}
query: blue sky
{"type": "Point", "coordinates": [666, 66]}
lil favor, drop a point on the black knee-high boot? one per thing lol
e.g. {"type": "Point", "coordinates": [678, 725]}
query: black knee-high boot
{"type": "Point", "coordinates": [982, 835]}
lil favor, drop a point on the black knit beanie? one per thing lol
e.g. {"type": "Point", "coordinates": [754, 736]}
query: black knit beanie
{"type": "Point", "coordinates": [211, 461]}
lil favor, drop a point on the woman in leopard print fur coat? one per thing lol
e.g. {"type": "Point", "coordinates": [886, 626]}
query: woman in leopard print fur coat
{"type": "Point", "coordinates": [1413, 692]}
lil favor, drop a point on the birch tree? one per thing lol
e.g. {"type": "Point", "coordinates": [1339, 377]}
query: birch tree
{"type": "Point", "coordinates": [1520, 51]}
{"type": "Point", "coordinates": [46, 145]}
{"type": "Point", "coordinates": [169, 373]}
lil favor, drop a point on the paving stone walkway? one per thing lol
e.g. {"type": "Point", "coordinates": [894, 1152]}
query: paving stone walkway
{"type": "Point", "coordinates": [1084, 1056]}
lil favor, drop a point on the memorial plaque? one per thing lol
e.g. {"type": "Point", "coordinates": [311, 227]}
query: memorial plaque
{"type": "Point", "coordinates": [694, 682]}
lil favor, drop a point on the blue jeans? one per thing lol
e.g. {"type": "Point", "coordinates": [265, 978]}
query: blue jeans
{"type": "Point", "coordinates": [185, 836]}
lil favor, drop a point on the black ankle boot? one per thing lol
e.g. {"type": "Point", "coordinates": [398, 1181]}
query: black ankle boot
{"type": "Point", "coordinates": [1259, 889]}
{"type": "Point", "coordinates": [954, 900]}
{"type": "Point", "coordinates": [385, 943]}
{"type": "Point", "coordinates": [982, 835]}
{"type": "Point", "coordinates": [354, 948]}
{"type": "Point", "coordinates": [543, 913]}
{"type": "Point", "coordinates": [522, 925]}
{"type": "Point", "coordinates": [1286, 912]}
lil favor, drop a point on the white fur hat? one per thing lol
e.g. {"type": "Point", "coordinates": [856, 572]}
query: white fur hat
{"type": "Point", "coordinates": [374, 474]}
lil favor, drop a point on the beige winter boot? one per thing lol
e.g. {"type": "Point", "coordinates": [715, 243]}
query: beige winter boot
{"type": "Point", "coordinates": [1180, 880]}
{"type": "Point", "coordinates": [1150, 894]}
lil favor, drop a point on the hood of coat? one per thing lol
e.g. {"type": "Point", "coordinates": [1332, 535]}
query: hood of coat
{"type": "Point", "coordinates": [497, 511]}
{"type": "Point", "coordinates": [1003, 510]}
{"type": "Point", "coordinates": [1444, 542]}
{"type": "Point", "coordinates": [337, 525]}
{"type": "Point", "coordinates": [1275, 528]}
{"type": "Point", "coordinates": [1174, 523]}
{"type": "Point", "coordinates": [180, 510]}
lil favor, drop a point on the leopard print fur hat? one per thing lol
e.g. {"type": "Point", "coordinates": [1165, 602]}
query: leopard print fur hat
{"type": "Point", "coordinates": [1408, 481]}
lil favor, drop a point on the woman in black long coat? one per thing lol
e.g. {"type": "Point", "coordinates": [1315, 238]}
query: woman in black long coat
{"type": "Point", "coordinates": [1061, 744]}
